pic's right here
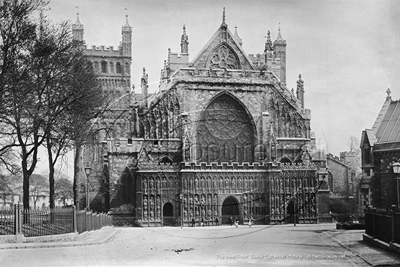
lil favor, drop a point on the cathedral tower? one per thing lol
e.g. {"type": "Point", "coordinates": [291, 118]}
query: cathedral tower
{"type": "Point", "coordinates": [77, 29]}
{"type": "Point", "coordinates": [126, 43]}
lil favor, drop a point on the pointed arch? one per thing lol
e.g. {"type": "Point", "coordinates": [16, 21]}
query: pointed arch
{"type": "Point", "coordinates": [225, 131]}
{"type": "Point", "coordinates": [285, 160]}
{"type": "Point", "coordinates": [223, 56]}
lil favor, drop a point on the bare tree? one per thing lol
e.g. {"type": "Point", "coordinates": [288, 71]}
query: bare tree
{"type": "Point", "coordinates": [354, 146]}
{"type": "Point", "coordinates": [22, 84]}
{"type": "Point", "coordinates": [10, 186]}
{"type": "Point", "coordinates": [72, 95]}
{"type": "Point", "coordinates": [39, 188]}
{"type": "Point", "coordinates": [63, 189]}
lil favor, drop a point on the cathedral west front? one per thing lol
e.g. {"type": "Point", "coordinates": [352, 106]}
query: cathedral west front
{"type": "Point", "coordinates": [221, 138]}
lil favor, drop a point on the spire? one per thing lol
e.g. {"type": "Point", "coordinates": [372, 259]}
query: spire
{"type": "Point", "coordinates": [144, 84]}
{"type": "Point", "coordinates": [300, 91]}
{"type": "Point", "coordinates": [126, 43]}
{"type": "Point", "coordinates": [279, 39]}
{"type": "Point", "coordinates": [237, 38]}
{"type": "Point", "coordinates": [223, 18]}
{"type": "Point", "coordinates": [77, 22]}
{"type": "Point", "coordinates": [268, 43]}
{"type": "Point", "coordinates": [77, 27]}
{"type": "Point", "coordinates": [279, 33]}
{"type": "Point", "coordinates": [126, 27]}
{"type": "Point", "coordinates": [224, 28]}
{"type": "Point", "coordinates": [184, 42]}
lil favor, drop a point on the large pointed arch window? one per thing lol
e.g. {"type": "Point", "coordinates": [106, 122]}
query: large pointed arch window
{"type": "Point", "coordinates": [225, 132]}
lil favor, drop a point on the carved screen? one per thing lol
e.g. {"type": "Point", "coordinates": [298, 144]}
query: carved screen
{"type": "Point", "coordinates": [225, 133]}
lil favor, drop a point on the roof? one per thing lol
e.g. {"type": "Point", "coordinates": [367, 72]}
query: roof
{"type": "Point", "coordinates": [368, 135]}
{"type": "Point", "coordinates": [381, 114]}
{"type": "Point", "coordinates": [389, 126]}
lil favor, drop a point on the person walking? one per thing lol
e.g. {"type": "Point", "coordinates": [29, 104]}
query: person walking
{"type": "Point", "coordinates": [250, 222]}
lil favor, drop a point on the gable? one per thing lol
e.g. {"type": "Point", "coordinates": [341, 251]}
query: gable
{"type": "Point", "coordinates": [222, 51]}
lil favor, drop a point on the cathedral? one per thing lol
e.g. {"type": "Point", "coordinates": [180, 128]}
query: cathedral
{"type": "Point", "coordinates": [221, 138]}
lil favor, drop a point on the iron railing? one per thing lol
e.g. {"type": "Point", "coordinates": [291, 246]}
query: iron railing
{"type": "Point", "coordinates": [7, 221]}
{"type": "Point", "coordinates": [42, 222]}
{"type": "Point", "coordinates": [383, 225]}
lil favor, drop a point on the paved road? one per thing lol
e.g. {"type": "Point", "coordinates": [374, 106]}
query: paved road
{"type": "Point", "coordinates": [281, 245]}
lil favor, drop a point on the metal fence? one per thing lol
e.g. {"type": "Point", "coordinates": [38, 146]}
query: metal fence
{"type": "Point", "coordinates": [42, 222]}
{"type": "Point", "coordinates": [383, 225]}
{"type": "Point", "coordinates": [7, 221]}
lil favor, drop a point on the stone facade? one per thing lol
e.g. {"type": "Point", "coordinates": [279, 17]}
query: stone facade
{"type": "Point", "coordinates": [340, 177]}
{"type": "Point", "coordinates": [222, 137]}
{"type": "Point", "coordinates": [112, 65]}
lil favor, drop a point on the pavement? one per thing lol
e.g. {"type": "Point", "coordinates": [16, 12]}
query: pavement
{"type": "Point", "coordinates": [351, 240]}
{"type": "Point", "coordinates": [97, 237]}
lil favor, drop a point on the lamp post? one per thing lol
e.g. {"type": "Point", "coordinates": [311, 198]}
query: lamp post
{"type": "Point", "coordinates": [396, 171]}
{"type": "Point", "coordinates": [88, 170]}
{"type": "Point", "coordinates": [181, 198]}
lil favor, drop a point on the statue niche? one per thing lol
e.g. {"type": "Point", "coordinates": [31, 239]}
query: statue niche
{"type": "Point", "coordinates": [225, 132]}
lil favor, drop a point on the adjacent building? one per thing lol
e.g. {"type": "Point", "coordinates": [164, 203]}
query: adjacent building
{"type": "Point", "coordinates": [380, 148]}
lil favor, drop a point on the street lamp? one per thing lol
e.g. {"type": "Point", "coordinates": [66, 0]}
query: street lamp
{"type": "Point", "coordinates": [396, 171]}
{"type": "Point", "coordinates": [88, 170]}
{"type": "Point", "coordinates": [181, 198]}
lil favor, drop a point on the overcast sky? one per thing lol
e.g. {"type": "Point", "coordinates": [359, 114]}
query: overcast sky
{"type": "Point", "coordinates": [346, 51]}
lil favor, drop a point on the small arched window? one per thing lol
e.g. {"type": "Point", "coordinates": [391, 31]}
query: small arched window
{"type": "Point", "coordinates": [127, 68]}
{"type": "Point", "coordinates": [104, 67]}
{"type": "Point", "coordinates": [118, 67]}
{"type": "Point", "coordinates": [96, 66]}
{"type": "Point", "coordinates": [111, 67]}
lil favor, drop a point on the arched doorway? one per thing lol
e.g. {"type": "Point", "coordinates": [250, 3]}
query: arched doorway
{"type": "Point", "coordinates": [291, 212]}
{"type": "Point", "coordinates": [168, 214]}
{"type": "Point", "coordinates": [225, 132]}
{"type": "Point", "coordinates": [230, 208]}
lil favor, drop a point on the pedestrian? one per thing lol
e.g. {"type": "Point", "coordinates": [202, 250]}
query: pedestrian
{"type": "Point", "coordinates": [216, 221]}
{"type": "Point", "coordinates": [193, 222]}
{"type": "Point", "coordinates": [236, 222]}
{"type": "Point", "coordinates": [250, 222]}
{"type": "Point", "coordinates": [202, 221]}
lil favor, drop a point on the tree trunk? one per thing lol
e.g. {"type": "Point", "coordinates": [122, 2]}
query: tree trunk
{"type": "Point", "coordinates": [76, 173]}
{"type": "Point", "coordinates": [51, 174]}
{"type": "Point", "coordinates": [25, 184]}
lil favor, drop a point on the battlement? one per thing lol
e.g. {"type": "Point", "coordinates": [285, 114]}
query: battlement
{"type": "Point", "coordinates": [247, 76]}
{"type": "Point", "coordinates": [337, 159]}
{"type": "Point", "coordinates": [103, 50]}
{"type": "Point", "coordinates": [154, 166]}
{"type": "Point", "coordinates": [175, 58]}
{"type": "Point", "coordinates": [245, 166]}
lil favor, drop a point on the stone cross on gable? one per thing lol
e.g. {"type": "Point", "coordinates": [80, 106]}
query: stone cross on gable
{"type": "Point", "coordinates": [388, 97]}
